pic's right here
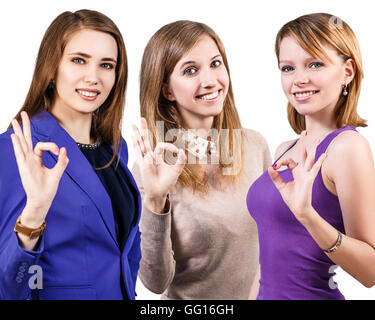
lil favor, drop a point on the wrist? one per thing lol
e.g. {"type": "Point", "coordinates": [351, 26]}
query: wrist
{"type": "Point", "coordinates": [32, 216]}
{"type": "Point", "coordinates": [37, 205]}
{"type": "Point", "coordinates": [155, 204]}
{"type": "Point", "coordinates": [306, 216]}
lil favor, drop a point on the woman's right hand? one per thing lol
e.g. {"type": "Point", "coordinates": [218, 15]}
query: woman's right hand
{"type": "Point", "coordinates": [40, 183]}
{"type": "Point", "coordinates": [157, 176]}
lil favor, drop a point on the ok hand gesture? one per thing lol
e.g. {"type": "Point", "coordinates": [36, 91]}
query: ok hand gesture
{"type": "Point", "coordinates": [40, 183]}
{"type": "Point", "coordinates": [158, 177]}
{"type": "Point", "coordinates": [297, 194]}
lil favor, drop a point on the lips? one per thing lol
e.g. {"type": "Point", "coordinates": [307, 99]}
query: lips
{"type": "Point", "coordinates": [88, 94]}
{"type": "Point", "coordinates": [304, 94]}
{"type": "Point", "coordinates": [209, 96]}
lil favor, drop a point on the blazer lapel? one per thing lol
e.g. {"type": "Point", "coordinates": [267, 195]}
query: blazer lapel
{"type": "Point", "coordinates": [79, 169]}
{"type": "Point", "coordinates": [124, 165]}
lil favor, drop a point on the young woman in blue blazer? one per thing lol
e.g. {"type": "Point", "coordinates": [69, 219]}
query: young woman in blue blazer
{"type": "Point", "coordinates": [69, 207]}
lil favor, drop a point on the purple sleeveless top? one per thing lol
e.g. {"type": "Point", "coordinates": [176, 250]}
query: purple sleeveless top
{"type": "Point", "coordinates": [292, 264]}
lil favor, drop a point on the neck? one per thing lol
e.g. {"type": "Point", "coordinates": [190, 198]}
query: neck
{"type": "Point", "coordinates": [321, 122]}
{"type": "Point", "coordinates": [78, 125]}
{"type": "Point", "coordinates": [201, 124]}
{"type": "Point", "coordinates": [318, 128]}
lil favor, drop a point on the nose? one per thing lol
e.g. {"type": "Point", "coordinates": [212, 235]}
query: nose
{"type": "Point", "coordinates": [300, 78]}
{"type": "Point", "coordinates": [91, 76]}
{"type": "Point", "coordinates": [208, 78]}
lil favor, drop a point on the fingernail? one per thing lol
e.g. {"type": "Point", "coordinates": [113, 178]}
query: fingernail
{"type": "Point", "coordinates": [57, 150]}
{"type": "Point", "coordinates": [306, 133]}
{"type": "Point", "coordinates": [275, 166]}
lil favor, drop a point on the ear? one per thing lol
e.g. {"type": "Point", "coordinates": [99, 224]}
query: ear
{"type": "Point", "coordinates": [167, 92]}
{"type": "Point", "coordinates": [349, 70]}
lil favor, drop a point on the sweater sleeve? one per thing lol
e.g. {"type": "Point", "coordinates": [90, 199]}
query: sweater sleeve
{"type": "Point", "coordinates": [15, 262]}
{"type": "Point", "coordinates": [157, 266]}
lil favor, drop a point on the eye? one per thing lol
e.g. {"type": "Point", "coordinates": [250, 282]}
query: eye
{"type": "Point", "coordinates": [78, 60]}
{"type": "Point", "coordinates": [190, 71]}
{"type": "Point", "coordinates": [216, 63]}
{"type": "Point", "coordinates": [316, 65]}
{"type": "Point", "coordinates": [107, 65]}
{"type": "Point", "coordinates": [286, 68]}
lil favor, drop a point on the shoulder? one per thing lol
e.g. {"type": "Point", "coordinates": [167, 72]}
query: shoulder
{"type": "Point", "coordinates": [347, 140]}
{"type": "Point", "coordinates": [283, 147]}
{"type": "Point", "coordinates": [254, 138]}
{"type": "Point", "coordinates": [8, 164]}
{"type": "Point", "coordinates": [6, 135]}
{"type": "Point", "coordinates": [350, 167]}
{"type": "Point", "coordinates": [349, 146]}
{"type": "Point", "coordinates": [256, 150]}
{"type": "Point", "coordinates": [6, 144]}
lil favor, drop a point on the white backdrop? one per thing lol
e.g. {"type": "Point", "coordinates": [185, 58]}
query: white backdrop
{"type": "Point", "coordinates": [248, 30]}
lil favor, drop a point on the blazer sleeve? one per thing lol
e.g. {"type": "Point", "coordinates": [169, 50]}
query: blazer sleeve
{"type": "Point", "coordinates": [14, 260]}
{"type": "Point", "coordinates": [157, 266]}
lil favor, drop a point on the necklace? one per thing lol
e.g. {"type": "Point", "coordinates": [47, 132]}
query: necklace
{"type": "Point", "coordinates": [88, 146]}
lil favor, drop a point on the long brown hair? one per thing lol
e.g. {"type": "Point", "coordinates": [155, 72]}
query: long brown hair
{"type": "Point", "coordinates": [163, 51]}
{"type": "Point", "coordinates": [106, 123]}
{"type": "Point", "coordinates": [312, 31]}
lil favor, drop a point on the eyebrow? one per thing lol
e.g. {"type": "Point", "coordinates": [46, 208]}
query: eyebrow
{"type": "Point", "coordinates": [290, 61]}
{"type": "Point", "coordinates": [85, 55]}
{"type": "Point", "coordinates": [191, 62]}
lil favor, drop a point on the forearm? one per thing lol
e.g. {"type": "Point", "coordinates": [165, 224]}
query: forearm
{"type": "Point", "coordinates": [157, 265]}
{"type": "Point", "coordinates": [354, 256]}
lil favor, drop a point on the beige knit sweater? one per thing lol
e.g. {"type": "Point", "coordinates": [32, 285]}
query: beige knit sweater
{"type": "Point", "coordinates": [204, 248]}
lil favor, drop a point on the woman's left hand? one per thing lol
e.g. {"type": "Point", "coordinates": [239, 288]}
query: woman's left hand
{"type": "Point", "coordinates": [297, 194]}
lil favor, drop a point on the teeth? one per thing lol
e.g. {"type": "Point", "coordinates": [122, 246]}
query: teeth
{"type": "Point", "coordinates": [87, 93]}
{"type": "Point", "coordinates": [209, 96]}
{"type": "Point", "coordinates": [305, 94]}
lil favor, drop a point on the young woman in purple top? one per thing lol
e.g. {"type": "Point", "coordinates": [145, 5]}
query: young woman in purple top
{"type": "Point", "coordinates": [319, 210]}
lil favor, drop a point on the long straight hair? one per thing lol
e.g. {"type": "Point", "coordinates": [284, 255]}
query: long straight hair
{"type": "Point", "coordinates": [312, 31]}
{"type": "Point", "coordinates": [163, 51]}
{"type": "Point", "coordinates": [106, 122]}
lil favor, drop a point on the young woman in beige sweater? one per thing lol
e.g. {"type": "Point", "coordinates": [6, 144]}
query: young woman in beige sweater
{"type": "Point", "coordinates": [198, 240]}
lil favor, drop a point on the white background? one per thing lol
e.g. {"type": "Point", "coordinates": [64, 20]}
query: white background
{"type": "Point", "coordinates": [247, 29]}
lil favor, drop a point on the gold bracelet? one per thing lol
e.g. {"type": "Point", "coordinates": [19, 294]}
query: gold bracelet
{"type": "Point", "coordinates": [336, 246]}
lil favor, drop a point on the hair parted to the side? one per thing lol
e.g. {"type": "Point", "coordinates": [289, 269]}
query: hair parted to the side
{"type": "Point", "coordinates": [106, 122]}
{"type": "Point", "coordinates": [312, 31]}
{"type": "Point", "coordinates": [163, 51]}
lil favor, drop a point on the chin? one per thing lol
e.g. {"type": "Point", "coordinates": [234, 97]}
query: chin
{"type": "Point", "coordinates": [87, 107]}
{"type": "Point", "coordinates": [305, 112]}
{"type": "Point", "coordinates": [303, 109]}
{"type": "Point", "coordinates": [214, 111]}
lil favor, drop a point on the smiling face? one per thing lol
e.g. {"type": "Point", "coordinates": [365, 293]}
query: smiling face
{"type": "Point", "coordinates": [86, 73]}
{"type": "Point", "coordinates": [199, 84]}
{"type": "Point", "coordinates": [311, 85]}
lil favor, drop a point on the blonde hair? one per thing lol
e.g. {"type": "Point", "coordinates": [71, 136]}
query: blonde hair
{"type": "Point", "coordinates": [163, 51]}
{"type": "Point", "coordinates": [312, 31]}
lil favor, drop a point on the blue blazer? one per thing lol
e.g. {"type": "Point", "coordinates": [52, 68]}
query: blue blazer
{"type": "Point", "coordinates": [79, 255]}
